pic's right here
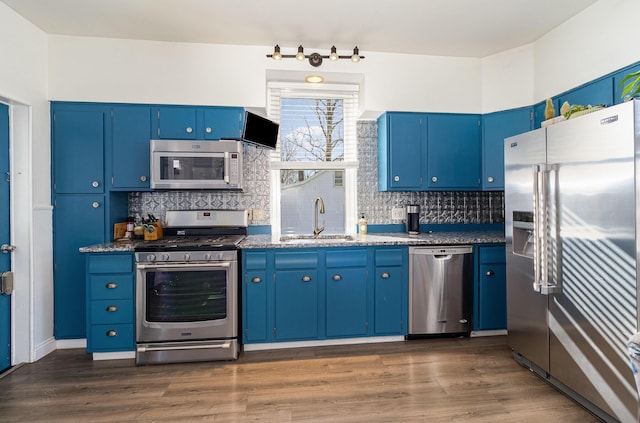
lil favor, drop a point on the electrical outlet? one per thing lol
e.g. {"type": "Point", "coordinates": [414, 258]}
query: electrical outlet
{"type": "Point", "coordinates": [398, 213]}
{"type": "Point", "coordinates": [257, 214]}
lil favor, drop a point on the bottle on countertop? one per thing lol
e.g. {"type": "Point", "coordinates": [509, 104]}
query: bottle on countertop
{"type": "Point", "coordinates": [362, 225]}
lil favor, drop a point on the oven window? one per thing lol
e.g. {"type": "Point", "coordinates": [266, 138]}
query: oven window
{"type": "Point", "coordinates": [186, 296]}
{"type": "Point", "coordinates": [191, 168]}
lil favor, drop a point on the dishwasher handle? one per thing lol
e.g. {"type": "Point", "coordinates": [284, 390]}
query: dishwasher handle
{"type": "Point", "coordinates": [442, 253]}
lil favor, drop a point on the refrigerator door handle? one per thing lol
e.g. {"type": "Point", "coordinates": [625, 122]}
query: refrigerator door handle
{"type": "Point", "coordinates": [536, 227]}
{"type": "Point", "coordinates": [553, 283]}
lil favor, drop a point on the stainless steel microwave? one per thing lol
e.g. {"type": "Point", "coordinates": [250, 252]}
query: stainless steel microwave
{"type": "Point", "coordinates": [182, 164]}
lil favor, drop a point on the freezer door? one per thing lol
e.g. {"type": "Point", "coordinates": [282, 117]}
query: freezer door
{"type": "Point", "coordinates": [595, 313]}
{"type": "Point", "coordinates": [526, 309]}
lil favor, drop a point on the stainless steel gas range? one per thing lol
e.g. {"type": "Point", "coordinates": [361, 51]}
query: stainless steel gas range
{"type": "Point", "coordinates": [187, 288]}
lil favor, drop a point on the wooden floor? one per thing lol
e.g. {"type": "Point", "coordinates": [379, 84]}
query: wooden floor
{"type": "Point", "coordinates": [443, 380]}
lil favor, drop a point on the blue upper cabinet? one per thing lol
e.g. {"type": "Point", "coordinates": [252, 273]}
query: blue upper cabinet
{"type": "Point", "coordinates": [453, 158]}
{"type": "Point", "coordinates": [599, 91]}
{"type": "Point", "coordinates": [190, 122]}
{"type": "Point", "coordinates": [617, 78]}
{"type": "Point", "coordinates": [130, 147]}
{"type": "Point", "coordinates": [78, 150]}
{"type": "Point", "coordinates": [401, 151]}
{"type": "Point", "coordinates": [495, 128]}
{"type": "Point", "coordinates": [223, 122]}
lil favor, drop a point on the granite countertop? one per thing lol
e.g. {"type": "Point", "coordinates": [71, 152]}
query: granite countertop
{"type": "Point", "coordinates": [386, 238]}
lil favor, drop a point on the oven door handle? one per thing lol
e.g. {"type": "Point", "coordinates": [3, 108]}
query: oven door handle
{"type": "Point", "coordinates": [224, 264]}
{"type": "Point", "coordinates": [151, 348]}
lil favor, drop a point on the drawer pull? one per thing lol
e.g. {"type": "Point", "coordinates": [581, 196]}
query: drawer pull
{"type": "Point", "coordinates": [490, 273]}
{"type": "Point", "coordinates": [306, 278]}
{"type": "Point", "coordinates": [112, 308]}
{"type": "Point", "coordinates": [207, 130]}
{"type": "Point", "coordinates": [189, 129]}
{"type": "Point", "coordinates": [337, 277]}
{"type": "Point", "coordinates": [385, 275]}
{"type": "Point", "coordinates": [111, 285]}
{"type": "Point", "coordinates": [256, 279]}
{"type": "Point", "coordinates": [112, 333]}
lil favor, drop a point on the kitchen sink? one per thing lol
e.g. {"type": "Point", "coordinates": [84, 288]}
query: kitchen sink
{"type": "Point", "coordinates": [320, 239]}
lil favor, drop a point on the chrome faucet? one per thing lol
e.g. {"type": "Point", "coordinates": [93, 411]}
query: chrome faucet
{"type": "Point", "coordinates": [316, 230]}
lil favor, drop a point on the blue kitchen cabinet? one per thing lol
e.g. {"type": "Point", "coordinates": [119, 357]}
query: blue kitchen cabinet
{"type": "Point", "coordinates": [192, 122]}
{"type": "Point", "coordinates": [453, 151]}
{"type": "Point", "coordinates": [78, 221]}
{"type": "Point", "coordinates": [129, 156]}
{"type": "Point", "coordinates": [599, 91]}
{"type": "Point", "coordinates": [495, 128]}
{"type": "Point", "coordinates": [491, 291]}
{"type": "Point", "coordinates": [223, 122]}
{"type": "Point", "coordinates": [110, 302]}
{"type": "Point", "coordinates": [617, 79]}
{"type": "Point", "coordinates": [346, 292]}
{"type": "Point", "coordinates": [255, 316]}
{"type": "Point", "coordinates": [78, 149]}
{"type": "Point", "coordinates": [390, 291]}
{"type": "Point", "coordinates": [297, 290]}
{"type": "Point", "coordinates": [402, 143]}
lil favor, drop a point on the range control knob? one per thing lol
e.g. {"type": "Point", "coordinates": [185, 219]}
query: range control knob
{"type": "Point", "coordinates": [187, 257]}
{"type": "Point", "coordinates": [165, 257]}
{"type": "Point", "coordinates": [151, 257]}
{"type": "Point", "coordinates": [207, 256]}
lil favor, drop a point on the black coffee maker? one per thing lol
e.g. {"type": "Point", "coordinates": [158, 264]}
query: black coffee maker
{"type": "Point", "coordinates": [413, 219]}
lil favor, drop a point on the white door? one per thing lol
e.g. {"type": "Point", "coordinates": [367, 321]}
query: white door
{"type": "Point", "coordinates": [5, 240]}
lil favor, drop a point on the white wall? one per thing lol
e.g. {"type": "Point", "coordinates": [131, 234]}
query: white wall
{"type": "Point", "coordinates": [507, 79]}
{"type": "Point", "coordinates": [23, 84]}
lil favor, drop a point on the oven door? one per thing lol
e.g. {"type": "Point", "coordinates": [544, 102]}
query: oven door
{"type": "Point", "coordinates": [186, 301]}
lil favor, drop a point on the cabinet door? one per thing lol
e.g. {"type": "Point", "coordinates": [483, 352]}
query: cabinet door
{"type": "Point", "coordinates": [400, 151]}
{"type": "Point", "coordinates": [78, 222]}
{"type": "Point", "coordinates": [130, 147]}
{"type": "Point", "coordinates": [255, 306]}
{"type": "Point", "coordinates": [492, 292]}
{"type": "Point", "coordinates": [496, 127]}
{"type": "Point", "coordinates": [388, 317]}
{"type": "Point", "coordinates": [296, 304]}
{"type": "Point", "coordinates": [593, 93]}
{"type": "Point", "coordinates": [223, 123]}
{"type": "Point", "coordinates": [177, 123]}
{"type": "Point", "coordinates": [453, 151]}
{"type": "Point", "coordinates": [78, 151]}
{"type": "Point", "coordinates": [346, 301]}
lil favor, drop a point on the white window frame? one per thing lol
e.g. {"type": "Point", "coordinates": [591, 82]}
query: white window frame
{"type": "Point", "coordinates": [277, 90]}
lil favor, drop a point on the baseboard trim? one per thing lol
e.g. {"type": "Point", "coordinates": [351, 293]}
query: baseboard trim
{"type": "Point", "coordinates": [496, 332]}
{"type": "Point", "coordinates": [66, 344]}
{"type": "Point", "coordinates": [44, 348]}
{"type": "Point", "coordinates": [118, 355]}
{"type": "Point", "coordinates": [320, 343]}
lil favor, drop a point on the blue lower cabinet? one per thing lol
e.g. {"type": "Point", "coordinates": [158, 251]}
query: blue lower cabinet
{"type": "Point", "coordinates": [311, 294]}
{"type": "Point", "coordinates": [491, 290]}
{"type": "Point", "coordinates": [110, 302]}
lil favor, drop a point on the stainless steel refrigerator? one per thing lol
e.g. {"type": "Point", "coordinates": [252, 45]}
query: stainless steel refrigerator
{"type": "Point", "coordinates": [572, 230]}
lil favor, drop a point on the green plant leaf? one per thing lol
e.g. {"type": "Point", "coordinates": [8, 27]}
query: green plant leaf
{"type": "Point", "coordinates": [628, 77]}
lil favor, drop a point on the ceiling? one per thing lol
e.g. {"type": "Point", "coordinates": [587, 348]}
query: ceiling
{"type": "Point", "coordinates": [465, 28]}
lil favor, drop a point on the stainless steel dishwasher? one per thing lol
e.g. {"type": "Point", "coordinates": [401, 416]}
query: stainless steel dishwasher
{"type": "Point", "coordinates": [440, 290]}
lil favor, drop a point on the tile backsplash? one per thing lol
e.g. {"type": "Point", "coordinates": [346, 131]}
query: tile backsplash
{"type": "Point", "coordinates": [435, 207]}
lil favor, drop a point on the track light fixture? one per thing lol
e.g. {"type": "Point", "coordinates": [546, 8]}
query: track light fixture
{"type": "Point", "coordinates": [315, 59]}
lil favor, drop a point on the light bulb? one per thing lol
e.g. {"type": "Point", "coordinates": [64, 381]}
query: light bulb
{"type": "Point", "coordinates": [314, 79]}
{"type": "Point", "coordinates": [276, 53]}
{"type": "Point", "coordinates": [300, 54]}
{"type": "Point", "coordinates": [334, 55]}
{"type": "Point", "coordinates": [356, 55]}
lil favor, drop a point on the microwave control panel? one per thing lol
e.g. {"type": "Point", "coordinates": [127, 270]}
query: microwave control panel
{"type": "Point", "coordinates": [234, 169]}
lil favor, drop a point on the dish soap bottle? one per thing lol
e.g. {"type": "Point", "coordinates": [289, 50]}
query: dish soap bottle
{"type": "Point", "coordinates": [362, 225]}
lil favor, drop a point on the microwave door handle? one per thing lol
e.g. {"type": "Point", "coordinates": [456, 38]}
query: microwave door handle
{"type": "Point", "coordinates": [227, 167]}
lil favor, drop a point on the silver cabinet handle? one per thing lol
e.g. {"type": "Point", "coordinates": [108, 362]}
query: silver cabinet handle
{"type": "Point", "coordinates": [189, 129]}
{"type": "Point", "coordinates": [111, 285]}
{"type": "Point", "coordinates": [256, 279]}
{"type": "Point", "coordinates": [490, 273]}
{"type": "Point", "coordinates": [207, 130]}
{"type": "Point", "coordinates": [396, 178]}
{"type": "Point", "coordinates": [385, 275]}
{"type": "Point", "coordinates": [306, 278]}
{"type": "Point", "coordinates": [490, 179]}
{"type": "Point", "coordinates": [112, 309]}
{"type": "Point", "coordinates": [434, 179]}
{"type": "Point", "coordinates": [7, 248]}
{"type": "Point", "coordinates": [112, 332]}
{"type": "Point", "coordinates": [143, 178]}
{"type": "Point", "coordinates": [95, 184]}
{"type": "Point", "coordinates": [337, 277]}
{"type": "Point", "coordinates": [95, 204]}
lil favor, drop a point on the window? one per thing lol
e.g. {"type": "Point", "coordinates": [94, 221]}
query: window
{"type": "Point", "coordinates": [315, 157]}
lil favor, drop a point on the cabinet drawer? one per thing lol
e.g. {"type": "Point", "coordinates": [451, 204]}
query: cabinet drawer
{"type": "Point", "coordinates": [255, 260]}
{"type": "Point", "coordinates": [389, 257]}
{"type": "Point", "coordinates": [105, 287]}
{"type": "Point", "coordinates": [492, 255]}
{"type": "Point", "coordinates": [301, 260]}
{"type": "Point", "coordinates": [111, 311]}
{"type": "Point", "coordinates": [116, 337]}
{"type": "Point", "coordinates": [110, 263]}
{"type": "Point", "coordinates": [346, 258]}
